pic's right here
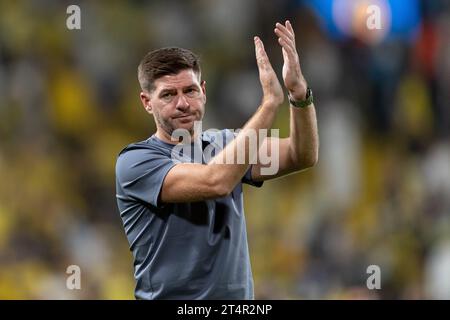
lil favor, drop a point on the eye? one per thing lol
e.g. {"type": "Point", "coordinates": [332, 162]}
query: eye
{"type": "Point", "coordinates": [167, 95]}
{"type": "Point", "coordinates": [191, 91]}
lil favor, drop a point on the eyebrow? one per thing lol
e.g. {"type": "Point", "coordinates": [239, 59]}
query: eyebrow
{"type": "Point", "coordinates": [191, 86]}
{"type": "Point", "coordinates": [166, 90]}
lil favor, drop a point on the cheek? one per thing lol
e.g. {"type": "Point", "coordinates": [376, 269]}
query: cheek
{"type": "Point", "coordinates": [200, 104]}
{"type": "Point", "coordinates": [166, 111]}
{"type": "Point", "coordinates": [161, 114]}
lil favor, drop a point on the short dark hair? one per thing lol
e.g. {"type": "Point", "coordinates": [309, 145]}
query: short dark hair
{"type": "Point", "coordinates": [165, 61]}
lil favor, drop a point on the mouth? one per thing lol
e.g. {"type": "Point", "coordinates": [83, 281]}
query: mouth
{"type": "Point", "coordinates": [185, 117]}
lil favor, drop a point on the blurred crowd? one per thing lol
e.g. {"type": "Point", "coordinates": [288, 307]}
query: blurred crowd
{"type": "Point", "coordinates": [380, 194]}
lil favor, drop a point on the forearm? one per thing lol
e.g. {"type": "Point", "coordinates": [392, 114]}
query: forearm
{"type": "Point", "coordinates": [304, 137]}
{"type": "Point", "coordinates": [229, 174]}
{"type": "Point", "coordinates": [188, 182]}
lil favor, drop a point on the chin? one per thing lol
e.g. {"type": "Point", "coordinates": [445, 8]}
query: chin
{"type": "Point", "coordinates": [187, 123]}
{"type": "Point", "coordinates": [184, 126]}
{"type": "Point", "coordinates": [188, 127]}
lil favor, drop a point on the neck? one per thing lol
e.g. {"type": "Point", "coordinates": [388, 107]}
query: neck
{"type": "Point", "coordinates": [164, 136]}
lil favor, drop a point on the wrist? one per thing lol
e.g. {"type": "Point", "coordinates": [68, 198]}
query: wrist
{"type": "Point", "coordinates": [270, 106]}
{"type": "Point", "coordinates": [297, 96]}
{"type": "Point", "coordinates": [273, 102]}
{"type": "Point", "coordinates": [299, 92]}
{"type": "Point", "coordinates": [302, 103]}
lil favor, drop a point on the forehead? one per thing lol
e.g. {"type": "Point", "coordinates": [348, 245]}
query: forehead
{"type": "Point", "coordinates": [182, 79]}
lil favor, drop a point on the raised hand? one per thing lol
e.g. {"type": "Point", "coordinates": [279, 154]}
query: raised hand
{"type": "Point", "coordinates": [292, 73]}
{"type": "Point", "coordinates": [272, 91]}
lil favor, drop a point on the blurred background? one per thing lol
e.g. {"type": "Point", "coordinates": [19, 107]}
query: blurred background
{"type": "Point", "coordinates": [380, 194]}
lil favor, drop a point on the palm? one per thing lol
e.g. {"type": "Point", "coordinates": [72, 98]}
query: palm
{"type": "Point", "coordinates": [272, 90]}
{"type": "Point", "coordinates": [292, 75]}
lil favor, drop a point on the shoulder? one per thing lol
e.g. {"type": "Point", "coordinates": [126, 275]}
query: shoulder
{"type": "Point", "coordinates": [140, 155]}
{"type": "Point", "coordinates": [141, 148]}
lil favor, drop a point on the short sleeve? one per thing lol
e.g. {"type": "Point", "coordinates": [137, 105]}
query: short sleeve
{"type": "Point", "coordinates": [140, 174]}
{"type": "Point", "coordinates": [247, 178]}
{"type": "Point", "coordinates": [229, 135]}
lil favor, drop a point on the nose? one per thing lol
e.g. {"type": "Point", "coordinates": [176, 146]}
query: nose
{"type": "Point", "coordinates": [182, 103]}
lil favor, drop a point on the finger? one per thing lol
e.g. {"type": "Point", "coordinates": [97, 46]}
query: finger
{"type": "Point", "coordinates": [289, 27]}
{"type": "Point", "coordinates": [290, 53]}
{"type": "Point", "coordinates": [259, 47]}
{"type": "Point", "coordinates": [287, 42]}
{"type": "Point", "coordinates": [286, 38]}
{"type": "Point", "coordinates": [284, 30]}
{"type": "Point", "coordinates": [261, 56]}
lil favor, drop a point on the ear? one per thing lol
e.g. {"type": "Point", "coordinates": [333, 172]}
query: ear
{"type": "Point", "coordinates": [145, 99]}
{"type": "Point", "coordinates": [203, 86]}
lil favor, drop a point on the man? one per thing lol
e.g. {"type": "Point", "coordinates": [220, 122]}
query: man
{"type": "Point", "coordinates": [184, 220]}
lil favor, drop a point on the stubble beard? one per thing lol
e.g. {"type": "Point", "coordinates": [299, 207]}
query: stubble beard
{"type": "Point", "coordinates": [168, 127]}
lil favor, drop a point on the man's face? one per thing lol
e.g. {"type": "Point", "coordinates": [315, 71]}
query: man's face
{"type": "Point", "coordinates": [177, 101]}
